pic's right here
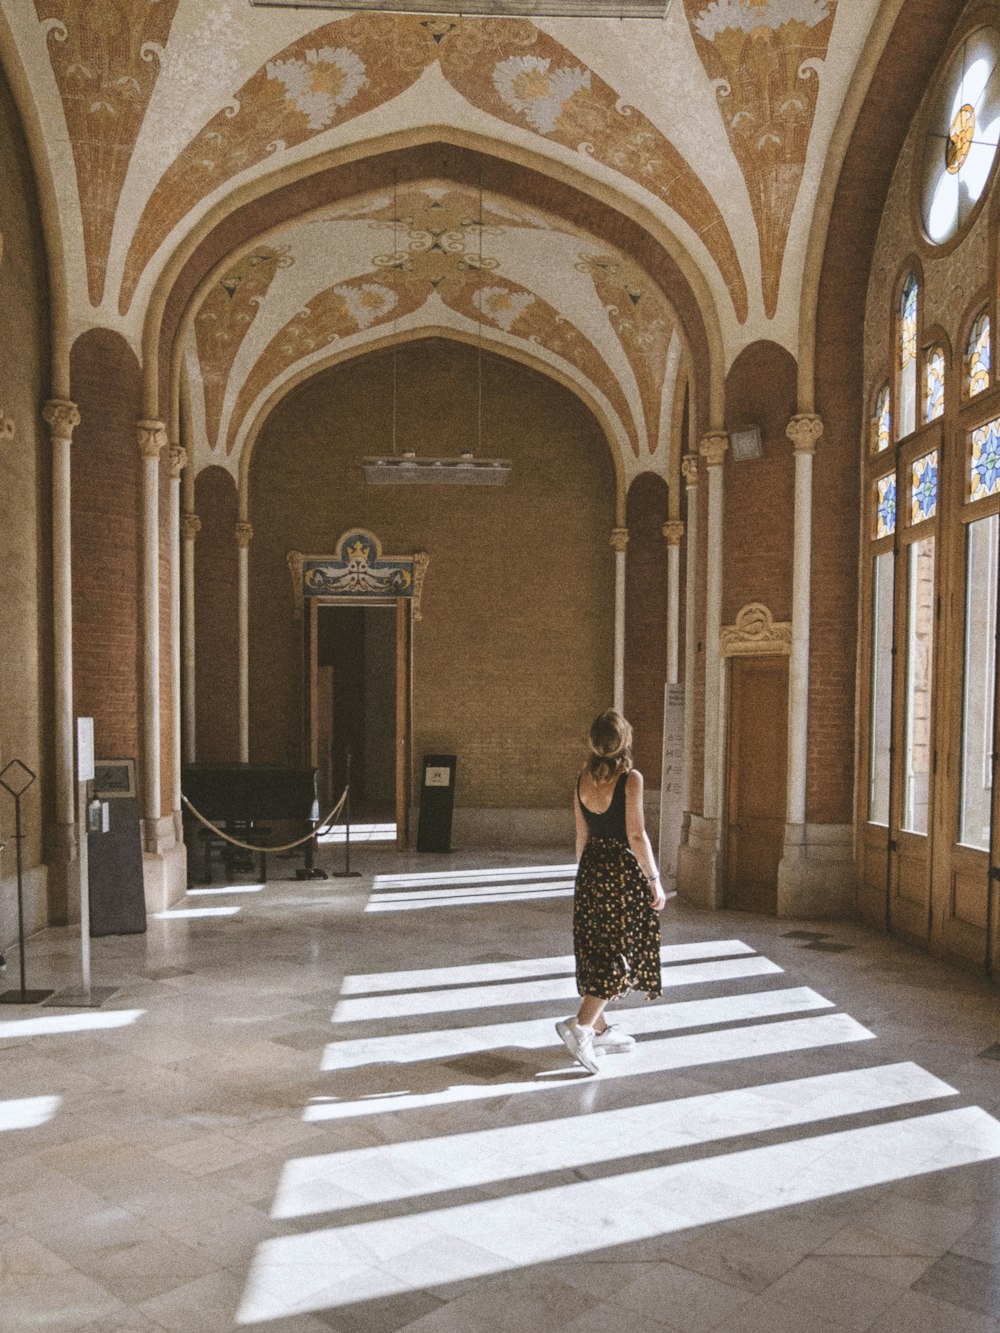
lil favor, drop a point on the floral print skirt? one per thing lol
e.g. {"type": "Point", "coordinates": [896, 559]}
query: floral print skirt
{"type": "Point", "coordinates": [616, 933]}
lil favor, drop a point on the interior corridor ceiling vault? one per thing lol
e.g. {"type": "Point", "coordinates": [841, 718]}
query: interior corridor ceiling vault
{"type": "Point", "coordinates": [247, 193]}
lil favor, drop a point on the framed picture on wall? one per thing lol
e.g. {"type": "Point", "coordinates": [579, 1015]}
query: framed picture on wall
{"type": "Point", "coordinates": [114, 778]}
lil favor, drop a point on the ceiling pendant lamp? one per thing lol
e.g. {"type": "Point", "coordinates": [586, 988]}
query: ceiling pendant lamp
{"type": "Point", "coordinates": [409, 469]}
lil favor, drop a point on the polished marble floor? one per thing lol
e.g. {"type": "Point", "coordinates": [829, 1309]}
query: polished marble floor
{"type": "Point", "coordinates": [341, 1104]}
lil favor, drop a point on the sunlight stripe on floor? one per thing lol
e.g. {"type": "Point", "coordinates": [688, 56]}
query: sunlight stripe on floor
{"type": "Point", "coordinates": [501, 995]}
{"type": "Point", "coordinates": [536, 1033]}
{"type": "Point", "coordinates": [337, 1266]}
{"type": "Point", "coordinates": [390, 1172]}
{"type": "Point", "coordinates": [650, 1057]}
{"type": "Point", "coordinates": [374, 982]}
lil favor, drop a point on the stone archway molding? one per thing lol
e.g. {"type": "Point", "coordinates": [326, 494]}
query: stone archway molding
{"type": "Point", "coordinates": [509, 154]}
{"type": "Point", "coordinates": [418, 334]}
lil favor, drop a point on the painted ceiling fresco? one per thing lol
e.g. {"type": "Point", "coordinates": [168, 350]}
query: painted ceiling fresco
{"type": "Point", "coordinates": [710, 126]}
{"type": "Point", "coordinates": [431, 254]}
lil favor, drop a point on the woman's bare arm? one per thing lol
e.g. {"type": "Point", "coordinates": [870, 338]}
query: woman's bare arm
{"type": "Point", "coordinates": [582, 832]}
{"type": "Point", "coordinates": [635, 827]}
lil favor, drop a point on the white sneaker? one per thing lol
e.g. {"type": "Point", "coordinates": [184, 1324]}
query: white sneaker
{"type": "Point", "coordinates": [613, 1041]}
{"type": "Point", "coordinates": [579, 1041]}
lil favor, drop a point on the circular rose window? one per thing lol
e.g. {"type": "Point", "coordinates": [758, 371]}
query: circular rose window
{"type": "Point", "coordinates": [962, 135]}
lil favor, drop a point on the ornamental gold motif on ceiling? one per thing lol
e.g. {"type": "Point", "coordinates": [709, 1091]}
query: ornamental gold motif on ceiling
{"type": "Point", "coordinates": [105, 54]}
{"type": "Point", "coordinates": [442, 254]}
{"type": "Point", "coordinates": [224, 320]}
{"type": "Point", "coordinates": [765, 57]}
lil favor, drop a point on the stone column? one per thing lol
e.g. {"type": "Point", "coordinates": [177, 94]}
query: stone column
{"type": "Point", "coordinates": [619, 541]}
{"type": "Point", "coordinates": [803, 431]}
{"type": "Point", "coordinates": [244, 536]}
{"type": "Point", "coordinates": [713, 449]}
{"type": "Point", "coordinates": [816, 875]}
{"type": "Point", "coordinates": [689, 467]}
{"type": "Point", "coordinates": [674, 533]}
{"type": "Point", "coordinates": [672, 758]}
{"type": "Point", "coordinates": [62, 417]}
{"type": "Point", "coordinates": [178, 462]}
{"type": "Point", "coordinates": [190, 527]}
{"type": "Point", "coordinates": [152, 440]}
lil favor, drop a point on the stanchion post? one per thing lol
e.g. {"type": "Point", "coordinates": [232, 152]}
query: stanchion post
{"type": "Point", "coordinates": [347, 872]}
{"type": "Point", "coordinates": [16, 778]}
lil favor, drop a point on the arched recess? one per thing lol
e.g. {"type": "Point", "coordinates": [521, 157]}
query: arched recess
{"type": "Point", "coordinates": [888, 87]}
{"type": "Point", "coordinates": [258, 207]}
{"type": "Point", "coordinates": [107, 542]}
{"type": "Point", "coordinates": [647, 509]}
{"type": "Point", "coordinates": [419, 334]}
{"type": "Point", "coordinates": [516, 636]}
{"type": "Point", "coordinates": [12, 72]}
{"type": "Point", "coordinates": [760, 499]}
{"type": "Point", "coordinates": [215, 614]}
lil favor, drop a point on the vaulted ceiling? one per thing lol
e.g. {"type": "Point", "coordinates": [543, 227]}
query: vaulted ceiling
{"type": "Point", "coordinates": [152, 121]}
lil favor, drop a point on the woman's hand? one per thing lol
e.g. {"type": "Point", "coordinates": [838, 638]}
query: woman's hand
{"type": "Point", "coordinates": [656, 893]}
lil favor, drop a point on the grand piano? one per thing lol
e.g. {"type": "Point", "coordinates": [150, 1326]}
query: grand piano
{"type": "Point", "coordinates": [244, 800]}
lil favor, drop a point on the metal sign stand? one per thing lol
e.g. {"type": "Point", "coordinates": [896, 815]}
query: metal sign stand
{"type": "Point", "coordinates": [88, 996]}
{"type": "Point", "coordinates": [347, 872]}
{"type": "Point", "coordinates": [16, 778]}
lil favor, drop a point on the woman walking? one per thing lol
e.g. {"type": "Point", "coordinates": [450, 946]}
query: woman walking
{"type": "Point", "coordinates": [616, 933]}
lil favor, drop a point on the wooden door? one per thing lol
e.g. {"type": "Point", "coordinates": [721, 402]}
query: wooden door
{"type": "Point", "coordinates": [756, 782]}
{"type": "Point", "coordinates": [403, 714]}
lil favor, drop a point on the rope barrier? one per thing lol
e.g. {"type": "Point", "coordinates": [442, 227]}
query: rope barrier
{"type": "Point", "coordinates": [321, 827]}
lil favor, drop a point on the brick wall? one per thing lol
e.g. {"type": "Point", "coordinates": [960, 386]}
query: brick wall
{"type": "Point", "coordinates": [903, 74]}
{"type": "Point", "coordinates": [25, 534]}
{"type": "Point", "coordinates": [646, 621]}
{"type": "Point", "coordinates": [759, 501]}
{"type": "Point", "coordinates": [215, 613]}
{"type": "Point", "coordinates": [107, 593]}
{"type": "Point", "coordinates": [514, 655]}
{"type": "Point", "coordinates": [166, 687]}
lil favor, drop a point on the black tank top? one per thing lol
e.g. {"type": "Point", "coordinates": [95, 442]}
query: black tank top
{"type": "Point", "coordinates": [611, 822]}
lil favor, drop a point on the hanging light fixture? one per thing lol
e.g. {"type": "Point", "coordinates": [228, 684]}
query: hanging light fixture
{"type": "Point", "coordinates": [407, 469]}
{"type": "Point", "coordinates": [580, 9]}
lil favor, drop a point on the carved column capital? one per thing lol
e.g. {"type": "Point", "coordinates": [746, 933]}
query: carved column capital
{"type": "Point", "coordinates": [804, 430]}
{"type": "Point", "coordinates": [619, 540]}
{"type": "Point", "coordinates": [190, 526]}
{"type": "Point", "coordinates": [62, 417]}
{"type": "Point", "coordinates": [674, 532]}
{"type": "Point", "coordinates": [152, 437]}
{"type": "Point", "coordinates": [713, 448]}
{"type": "Point", "coordinates": [689, 467]}
{"type": "Point", "coordinates": [244, 533]}
{"type": "Point", "coordinates": [178, 461]}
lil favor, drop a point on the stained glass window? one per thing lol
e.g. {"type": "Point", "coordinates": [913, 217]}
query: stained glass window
{"type": "Point", "coordinates": [924, 488]}
{"type": "Point", "coordinates": [977, 357]}
{"type": "Point", "coordinates": [882, 421]}
{"type": "Point", "coordinates": [885, 506]}
{"type": "Point", "coordinates": [963, 128]}
{"type": "Point", "coordinates": [908, 357]}
{"type": "Point", "coordinates": [935, 384]}
{"type": "Point", "coordinates": [984, 470]}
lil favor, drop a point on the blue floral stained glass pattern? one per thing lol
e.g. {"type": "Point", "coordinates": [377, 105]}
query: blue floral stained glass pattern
{"type": "Point", "coordinates": [977, 357]}
{"type": "Point", "coordinates": [984, 473]}
{"type": "Point", "coordinates": [908, 323]}
{"type": "Point", "coordinates": [882, 423]}
{"type": "Point", "coordinates": [924, 488]}
{"type": "Point", "coordinates": [885, 506]}
{"type": "Point", "coordinates": [935, 384]}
